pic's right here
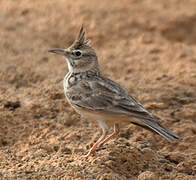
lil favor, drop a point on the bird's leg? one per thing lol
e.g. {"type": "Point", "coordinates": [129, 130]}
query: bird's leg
{"type": "Point", "coordinates": [104, 134]}
{"type": "Point", "coordinates": [115, 133]}
{"type": "Point", "coordinates": [94, 148]}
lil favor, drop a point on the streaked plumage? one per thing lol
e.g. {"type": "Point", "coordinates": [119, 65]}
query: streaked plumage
{"type": "Point", "coordinates": [101, 99]}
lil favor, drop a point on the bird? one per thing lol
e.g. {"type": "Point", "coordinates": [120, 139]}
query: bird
{"type": "Point", "coordinates": [101, 99]}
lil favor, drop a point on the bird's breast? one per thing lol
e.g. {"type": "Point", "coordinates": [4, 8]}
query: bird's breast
{"type": "Point", "coordinates": [65, 82]}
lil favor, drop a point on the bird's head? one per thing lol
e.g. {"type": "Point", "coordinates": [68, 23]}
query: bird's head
{"type": "Point", "coordinates": [80, 56]}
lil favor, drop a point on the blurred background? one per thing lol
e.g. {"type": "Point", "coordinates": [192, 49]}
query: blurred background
{"type": "Point", "coordinates": [148, 46]}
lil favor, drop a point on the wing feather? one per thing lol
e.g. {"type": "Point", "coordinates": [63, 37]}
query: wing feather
{"type": "Point", "coordinates": [106, 96]}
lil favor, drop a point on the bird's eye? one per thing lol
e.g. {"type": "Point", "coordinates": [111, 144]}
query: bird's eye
{"type": "Point", "coordinates": [77, 53]}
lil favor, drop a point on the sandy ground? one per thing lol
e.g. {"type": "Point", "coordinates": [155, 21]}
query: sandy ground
{"type": "Point", "coordinates": [148, 46]}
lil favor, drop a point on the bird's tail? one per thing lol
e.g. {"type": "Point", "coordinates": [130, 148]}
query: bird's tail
{"type": "Point", "coordinates": [156, 127]}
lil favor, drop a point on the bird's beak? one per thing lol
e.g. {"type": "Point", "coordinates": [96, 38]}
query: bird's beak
{"type": "Point", "coordinates": [58, 51]}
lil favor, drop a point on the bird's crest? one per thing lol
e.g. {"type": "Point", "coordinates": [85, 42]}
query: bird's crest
{"type": "Point", "coordinates": [80, 40]}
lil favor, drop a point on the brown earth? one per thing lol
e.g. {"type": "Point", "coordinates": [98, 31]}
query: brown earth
{"type": "Point", "coordinates": [148, 46]}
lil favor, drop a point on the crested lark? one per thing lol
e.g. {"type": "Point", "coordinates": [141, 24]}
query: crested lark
{"type": "Point", "coordinates": [100, 98]}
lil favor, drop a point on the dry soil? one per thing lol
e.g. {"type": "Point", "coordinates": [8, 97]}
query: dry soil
{"type": "Point", "coordinates": [148, 46]}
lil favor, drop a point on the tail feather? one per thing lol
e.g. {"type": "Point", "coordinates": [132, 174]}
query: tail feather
{"type": "Point", "coordinates": [156, 127]}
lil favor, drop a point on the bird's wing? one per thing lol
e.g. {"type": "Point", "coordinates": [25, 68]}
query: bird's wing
{"type": "Point", "coordinates": [106, 96]}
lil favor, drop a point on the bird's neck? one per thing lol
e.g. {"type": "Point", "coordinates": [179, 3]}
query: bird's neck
{"type": "Point", "coordinates": [90, 72]}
